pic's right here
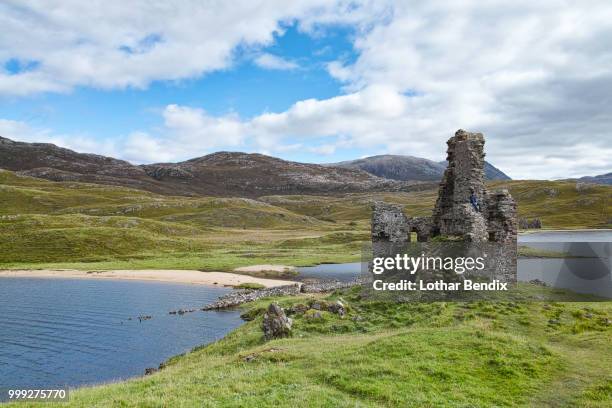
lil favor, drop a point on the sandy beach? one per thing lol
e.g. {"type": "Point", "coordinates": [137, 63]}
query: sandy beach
{"type": "Point", "coordinates": [265, 267]}
{"type": "Point", "coordinates": [175, 276]}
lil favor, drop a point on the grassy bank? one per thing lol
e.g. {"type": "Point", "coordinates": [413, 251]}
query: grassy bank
{"type": "Point", "coordinates": [508, 353]}
{"type": "Point", "coordinates": [83, 226]}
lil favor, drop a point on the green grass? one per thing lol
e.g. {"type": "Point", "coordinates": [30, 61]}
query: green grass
{"type": "Point", "coordinates": [382, 354]}
{"type": "Point", "coordinates": [44, 224]}
{"type": "Point", "coordinates": [529, 252]}
{"type": "Point", "coordinates": [249, 285]}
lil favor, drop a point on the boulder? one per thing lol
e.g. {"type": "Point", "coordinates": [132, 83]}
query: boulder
{"type": "Point", "coordinates": [151, 370]}
{"type": "Point", "coordinates": [314, 315]}
{"type": "Point", "coordinates": [299, 309]}
{"type": "Point", "coordinates": [337, 308]}
{"type": "Point", "coordinates": [276, 324]}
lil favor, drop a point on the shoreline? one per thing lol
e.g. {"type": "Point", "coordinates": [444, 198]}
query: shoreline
{"type": "Point", "coordinates": [215, 279]}
{"type": "Point", "coordinates": [536, 230]}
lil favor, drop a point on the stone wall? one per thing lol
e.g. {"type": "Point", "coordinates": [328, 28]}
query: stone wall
{"type": "Point", "coordinates": [389, 224]}
{"type": "Point", "coordinates": [464, 209]}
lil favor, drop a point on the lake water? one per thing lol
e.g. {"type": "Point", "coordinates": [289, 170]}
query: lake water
{"type": "Point", "coordinates": [588, 272]}
{"type": "Point", "coordinates": [72, 332]}
{"type": "Point", "coordinates": [567, 236]}
{"type": "Point", "coordinates": [588, 268]}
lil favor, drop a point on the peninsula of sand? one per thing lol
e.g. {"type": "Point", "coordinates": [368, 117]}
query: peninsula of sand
{"type": "Point", "coordinates": [160, 275]}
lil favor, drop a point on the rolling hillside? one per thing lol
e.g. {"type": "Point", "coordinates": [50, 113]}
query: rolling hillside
{"type": "Point", "coordinates": [80, 225]}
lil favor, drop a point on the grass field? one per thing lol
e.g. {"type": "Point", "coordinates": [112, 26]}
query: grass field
{"type": "Point", "coordinates": [509, 353]}
{"type": "Point", "coordinates": [45, 224]}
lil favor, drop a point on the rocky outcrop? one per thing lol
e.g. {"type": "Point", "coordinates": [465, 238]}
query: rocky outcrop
{"type": "Point", "coordinates": [275, 323]}
{"type": "Point", "coordinates": [534, 223]}
{"type": "Point", "coordinates": [167, 172]}
{"type": "Point", "coordinates": [322, 287]}
{"type": "Point", "coordinates": [239, 297]}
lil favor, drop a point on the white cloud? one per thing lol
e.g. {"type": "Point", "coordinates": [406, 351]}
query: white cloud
{"type": "Point", "coordinates": [195, 126]}
{"type": "Point", "coordinates": [116, 44]}
{"type": "Point", "coordinates": [325, 150]}
{"type": "Point", "coordinates": [535, 77]}
{"type": "Point", "coordinates": [269, 61]}
{"type": "Point", "coordinates": [22, 131]}
{"type": "Point", "coordinates": [186, 133]}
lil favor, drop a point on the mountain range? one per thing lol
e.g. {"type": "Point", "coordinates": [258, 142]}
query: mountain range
{"type": "Point", "coordinates": [397, 167]}
{"type": "Point", "coordinates": [217, 174]}
{"type": "Point", "coordinates": [601, 179]}
{"type": "Point", "coordinates": [235, 174]}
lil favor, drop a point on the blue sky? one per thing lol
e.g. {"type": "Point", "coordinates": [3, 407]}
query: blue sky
{"type": "Point", "coordinates": [244, 88]}
{"type": "Point", "coordinates": [314, 81]}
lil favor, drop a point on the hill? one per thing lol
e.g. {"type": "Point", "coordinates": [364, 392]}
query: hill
{"type": "Point", "coordinates": [91, 226]}
{"type": "Point", "coordinates": [47, 161]}
{"type": "Point", "coordinates": [254, 175]}
{"type": "Point", "coordinates": [219, 174]}
{"type": "Point", "coordinates": [601, 179]}
{"type": "Point", "coordinates": [398, 167]}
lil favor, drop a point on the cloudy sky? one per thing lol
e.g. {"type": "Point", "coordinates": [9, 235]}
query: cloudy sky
{"type": "Point", "coordinates": [315, 81]}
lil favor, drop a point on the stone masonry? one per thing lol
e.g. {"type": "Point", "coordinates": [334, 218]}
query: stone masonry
{"type": "Point", "coordinates": [464, 209]}
{"type": "Point", "coordinates": [453, 214]}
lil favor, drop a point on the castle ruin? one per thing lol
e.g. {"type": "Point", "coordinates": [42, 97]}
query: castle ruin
{"type": "Point", "coordinates": [464, 210]}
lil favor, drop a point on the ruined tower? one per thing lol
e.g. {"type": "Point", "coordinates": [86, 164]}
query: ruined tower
{"type": "Point", "coordinates": [462, 183]}
{"type": "Point", "coordinates": [464, 209]}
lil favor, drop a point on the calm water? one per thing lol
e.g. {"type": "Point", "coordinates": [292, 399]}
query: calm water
{"type": "Point", "coordinates": [75, 332]}
{"type": "Point", "coordinates": [342, 272]}
{"type": "Point", "coordinates": [567, 236]}
{"type": "Point", "coordinates": [589, 274]}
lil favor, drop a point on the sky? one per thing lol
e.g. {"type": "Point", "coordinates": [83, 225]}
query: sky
{"type": "Point", "coordinates": [315, 81]}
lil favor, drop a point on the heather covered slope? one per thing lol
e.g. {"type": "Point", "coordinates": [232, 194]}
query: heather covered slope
{"type": "Point", "coordinates": [45, 160]}
{"type": "Point", "coordinates": [89, 226]}
{"type": "Point", "coordinates": [220, 174]}
{"type": "Point", "coordinates": [254, 175]}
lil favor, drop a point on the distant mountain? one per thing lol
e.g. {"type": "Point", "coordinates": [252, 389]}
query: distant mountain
{"type": "Point", "coordinates": [218, 174]}
{"type": "Point", "coordinates": [397, 167]}
{"type": "Point", "coordinates": [48, 161]}
{"type": "Point", "coordinates": [493, 173]}
{"type": "Point", "coordinates": [409, 168]}
{"type": "Point", "coordinates": [601, 179]}
{"type": "Point", "coordinates": [253, 175]}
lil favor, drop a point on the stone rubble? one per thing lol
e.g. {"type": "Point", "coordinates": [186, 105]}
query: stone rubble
{"type": "Point", "coordinates": [237, 298]}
